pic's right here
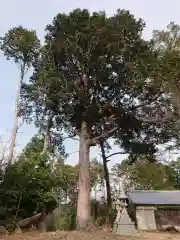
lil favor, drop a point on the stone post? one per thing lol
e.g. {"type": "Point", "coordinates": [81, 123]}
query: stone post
{"type": "Point", "coordinates": [119, 210]}
{"type": "Point", "coordinates": [145, 218]}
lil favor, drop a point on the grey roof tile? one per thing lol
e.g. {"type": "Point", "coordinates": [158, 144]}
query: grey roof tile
{"type": "Point", "coordinates": [154, 197]}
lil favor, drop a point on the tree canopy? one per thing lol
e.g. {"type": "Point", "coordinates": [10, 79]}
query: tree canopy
{"type": "Point", "coordinates": [145, 175]}
{"type": "Point", "coordinates": [167, 43]}
{"type": "Point", "coordinates": [98, 78]}
{"type": "Point", "coordinates": [22, 47]}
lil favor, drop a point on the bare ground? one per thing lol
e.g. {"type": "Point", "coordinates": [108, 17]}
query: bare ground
{"type": "Point", "coordinates": [97, 235]}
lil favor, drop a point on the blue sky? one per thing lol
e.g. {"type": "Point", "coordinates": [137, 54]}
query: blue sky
{"type": "Point", "coordinates": [35, 14]}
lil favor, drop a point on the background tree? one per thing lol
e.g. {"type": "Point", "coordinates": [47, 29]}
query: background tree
{"type": "Point", "coordinates": [96, 175]}
{"type": "Point", "coordinates": [167, 43]}
{"type": "Point", "coordinates": [145, 175]}
{"type": "Point", "coordinates": [27, 186]}
{"type": "Point", "coordinates": [31, 186]}
{"type": "Point", "coordinates": [174, 173]}
{"type": "Point", "coordinates": [66, 176]}
{"type": "Point", "coordinates": [22, 46]}
{"type": "Point", "coordinates": [116, 176]}
{"type": "Point", "coordinates": [104, 146]}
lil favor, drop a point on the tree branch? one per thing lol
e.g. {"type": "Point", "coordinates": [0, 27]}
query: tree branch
{"type": "Point", "coordinates": [72, 153]}
{"type": "Point", "coordinates": [4, 148]}
{"type": "Point", "coordinates": [20, 125]}
{"type": "Point", "coordinates": [69, 137]}
{"type": "Point", "coordinates": [156, 119]}
{"type": "Point", "coordinates": [113, 154]}
{"type": "Point", "coordinates": [144, 104]}
{"type": "Point", "coordinates": [103, 135]}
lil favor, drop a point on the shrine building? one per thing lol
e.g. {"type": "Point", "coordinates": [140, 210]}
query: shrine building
{"type": "Point", "coordinates": [154, 210]}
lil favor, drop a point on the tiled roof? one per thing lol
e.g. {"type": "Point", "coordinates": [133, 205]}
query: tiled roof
{"type": "Point", "coordinates": [154, 197]}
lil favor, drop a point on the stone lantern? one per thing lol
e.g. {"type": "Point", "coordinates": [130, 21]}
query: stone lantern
{"type": "Point", "coordinates": [123, 224]}
{"type": "Point", "coordinates": [120, 204]}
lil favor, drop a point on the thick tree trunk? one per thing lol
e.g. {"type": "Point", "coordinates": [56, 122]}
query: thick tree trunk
{"type": "Point", "coordinates": [83, 218]}
{"type": "Point", "coordinates": [28, 222]}
{"type": "Point", "coordinates": [107, 180]}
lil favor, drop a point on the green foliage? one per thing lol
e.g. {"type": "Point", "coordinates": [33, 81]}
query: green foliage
{"type": "Point", "coordinates": [88, 63]}
{"type": "Point", "coordinates": [66, 180]}
{"type": "Point", "coordinates": [27, 185]}
{"type": "Point", "coordinates": [30, 184]}
{"type": "Point", "coordinates": [97, 78]}
{"type": "Point", "coordinates": [147, 175]}
{"type": "Point", "coordinates": [63, 218]}
{"type": "Point", "coordinates": [34, 147]}
{"type": "Point", "coordinates": [67, 218]}
{"type": "Point", "coordinates": [96, 173]}
{"type": "Point", "coordinates": [167, 40]}
{"type": "Point", "coordinates": [174, 173]}
{"type": "Point", "coordinates": [151, 176]}
{"type": "Point", "coordinates": [100, 213]}
{"type": "Point", "coordinates": [32, 179]}
{"type": "Point", "coordinates": [21, 45]}
{"type": "Point", "coordinates": [167, 43]}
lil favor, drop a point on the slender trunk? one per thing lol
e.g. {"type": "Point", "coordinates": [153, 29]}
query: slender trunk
{"type": "Point", "coordinates": [17, 210]}
{"type": "Point", "coordinates": [106, 174]}
{"type": "Point", "coordinates": [45, 150]}
{"type": "Point", "coordinates": [83, 218]}
{"type": "Point", "coordinates": [95, 191]}
{"type": "Point", "coordinates": [107, 180]}
{"type": "Point", "coordinates": [16, 111]}
{"type": "Point", "coordinates": [42, 224]}
{"type": "Point", "coordinates": [13, 140]}
{"type": "Point", "coordinates": [46, 142]}
{"type": "Point", "coordinates": [47, 135]}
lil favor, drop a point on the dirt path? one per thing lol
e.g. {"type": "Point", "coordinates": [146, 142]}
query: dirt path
{"type": "Point", "coordinates": [99, 235]}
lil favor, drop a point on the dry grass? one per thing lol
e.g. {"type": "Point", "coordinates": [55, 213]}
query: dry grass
{"type": "Point", "coordinates": [97, 235]}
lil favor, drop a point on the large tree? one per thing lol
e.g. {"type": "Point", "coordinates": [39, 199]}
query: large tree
{"type": "Point", "coordinates": [96, 76]}
{"type": "Point", "coordinates": [22, 47]}
{"type": "Point", "coordinates": [167, 43]}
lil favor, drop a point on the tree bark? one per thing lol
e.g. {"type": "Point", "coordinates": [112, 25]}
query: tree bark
{"type": "Point", "coordinates": [107, 180]}
{"type": "Point", "coordinates": [16, 111]}
{"type": "Point", "coordinates": [42, 224]}
{"type": "Point", "coordinates": [28, 222]}
{"type": "Point", "coordinates": [83, 218]}
{"type": "Point", "coordinates": [95, 191]}
{"type": "Point", "coordinates": [47, 135]}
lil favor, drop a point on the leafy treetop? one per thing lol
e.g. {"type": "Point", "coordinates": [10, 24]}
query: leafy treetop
{"type": "Point", "coordinates": [21, 45]}
{"type": "Point", "coordinates": [95, 69]}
